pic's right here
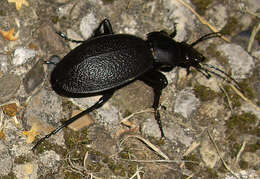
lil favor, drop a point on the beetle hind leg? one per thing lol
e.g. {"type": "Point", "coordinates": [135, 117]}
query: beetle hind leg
{"type": "Point", "coordinates": [157, 81]}
{"type": "Point", "coordinates": [97, 105]}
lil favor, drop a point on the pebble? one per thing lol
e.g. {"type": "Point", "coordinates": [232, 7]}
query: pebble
{"type": "Point", "coordinates": [9, 85]}
{"type": "Point", "coordinates": [87, 25]}
{"type": "Point", "coordinates": [49, 159]}
{"type": "Point", "coordinates": [172, 131]}
{"type": "Point", "coordinates": [45, 105]}
{"type": "Point", "coordinates": [186, 103]}
{"type": "Point", "coordinates": [208, 154]}
{"type": "Point", "coordinates": [218, 16]}
{"type": "Point", "coordinates": [151, 128]}
{"type": "Point", "coordinates": [34, 77]}
{"type": "Point", "coordinates": [50, 39]}
{"type": "Point", "coordinates": [27, 170]}
{"type": "Point", "coordinates": [3, 63]}
{"type": "Point", "coordinates": [239, 60]}
{"type": "Point", "coordinates": [80, 123]}
{"type": "Point", "coordinates": [22, 55]}
{"type": "Point", "coordinates": [5, 160]}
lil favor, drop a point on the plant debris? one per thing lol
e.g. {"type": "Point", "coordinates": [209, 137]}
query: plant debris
{"type": "Point", "coordinates": [9, 35]}
{"type": "Point", "coordinates": [32, 133]}
{"type": "Point", "coordinates": [19, 3]}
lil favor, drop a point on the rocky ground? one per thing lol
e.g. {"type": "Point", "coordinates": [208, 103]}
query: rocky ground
{"type": "Point", "coordinates": [212, 131]}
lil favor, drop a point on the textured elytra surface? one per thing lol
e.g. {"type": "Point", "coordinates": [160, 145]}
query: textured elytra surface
{"type": "Point", "coordinates": [101, 64]}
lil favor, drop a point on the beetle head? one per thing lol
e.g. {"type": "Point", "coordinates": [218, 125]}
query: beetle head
{"type": "Point", "coordinates": [168, 53]}
{"type": "Point", "coordinates": [190, 56]}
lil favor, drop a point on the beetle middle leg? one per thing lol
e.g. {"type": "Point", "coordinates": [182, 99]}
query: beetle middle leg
{"type": "Point", "coordinates": [107, 28]}
{"type": "Point", "coordinates": [97, 105]}
{"type": "Point", "coordinates": [157, 81]}
{"type": "Point", "coordinates": [69, 39]}
{"type": "Point", "coordinates": [174, 33]}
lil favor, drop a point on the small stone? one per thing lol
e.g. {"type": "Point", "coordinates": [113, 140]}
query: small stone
{"type": "Point", "coordinates": [186, 103]}
{"type": "Point", "coordinates": [177, 13]}
{"type": "Point", "coordinates": [44, 106]}
{"type": "Point", "coordinates": [73, 35]}
{"type": "Point", "coordinates": [22, 55]}
{"type": "Point", "coordinates": [5, 160]}
{"type": "Point", "coordinates": [252, 158]}
{"type": "Point", "coordinates": [208, 154]}
{"type": "Point", "coordinates": [172, 131]}
{"type": "Point", "coordinates": [10, 109]}
{"type": "Point", "coordinates": [211, 109]}
{"type": "Point", "coordinates": [175, 132]}
{"type": "Point", "coordinates": [108, 112]}
{"type": "Point", "coordinates": [44, 111]}
{"type": "Point", "coordinates": [3, 63]}
{"type": "Point", "coordinates": [218, 15]}
{"type": "Point", "coordinates": [48, 37]}
{"type": "Point", "coordinates": [84, 121]}
{"type": "Point", "coordinates": [28, 170]}
{"type": "Point", "coordinates": [64, 10]}
{"type": "Point", "coordinates": [243, 174]}
{"type": "Point", "coordinates": [49, 159]}
{"type": "Point", "coordinates": [87, 25]}
{"type": "Point", "coordinates": [9, 85]}
{"type": "Point", "coordinates": [102, 140]}
{"type": "Point", "coordinates": [240, 61]}
{"type": "Point", "coordinates": [34, 77]}
{"type": "Point", "coordinates": [151, 128]}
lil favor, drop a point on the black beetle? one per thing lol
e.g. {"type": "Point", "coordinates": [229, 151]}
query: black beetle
{"type": "Point", "coordinates": [108, 61]}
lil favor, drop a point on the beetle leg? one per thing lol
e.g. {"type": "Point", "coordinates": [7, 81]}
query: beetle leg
{"type": "Point", "coordinates": [157, 81]}
{"type": "Point", "coordinates": [174, 33]}
{"type": "Point", "coordinates": [69, 39]}
{"type": "Point", "coordinates": [97, 105]}
{"type": "Point", "coordinates": [107, 28]}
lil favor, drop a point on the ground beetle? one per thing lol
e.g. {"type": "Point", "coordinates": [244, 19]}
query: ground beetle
{"type": "Point", "coordinates": [108, 61]}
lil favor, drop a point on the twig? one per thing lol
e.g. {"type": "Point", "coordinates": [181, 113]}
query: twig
{"type": "Point", "coordinates": [244, 98]}
{"type": "Point", "coordinates": [85, 160]}
{"type": "Point", "coordinates": [139, 112]}
{"type": "Point", "coordinates": [192, 147]}
{"type": "Point", "coordinates": [201, 19]}
{"type": "Point", "coordinates": [240, 151]}
{"type": "Point", "coordinates": [1, 120]}
{"type": "Point", "coordinates": [190, 176]}
{"type": "Point", "coordinates": [74, 168]}
{"type": "Point", "coordinates": [161, 161]}
{"type": "Point", "coordinates": [138, 170]}
{"type": "Point", "coordinates": [255, 14]}
{"type": "Point", "coordinates": [252, 37]}
{"type": "Point", "coordinates": [153, 147]}
{"type": "Point", "coordinates": [219, 154]}
{"type": "Point", "coordinates": [228, 98]}
{"type": "Point", "coordinates": [79, 169]}
{"type": "Point", "coordinates": [128, 4]}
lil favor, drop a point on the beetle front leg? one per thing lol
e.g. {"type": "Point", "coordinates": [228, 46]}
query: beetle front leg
{"type": "Point", "coordinates": [97, 105]}
{"type": "Point", "coordinates": [157, 81]}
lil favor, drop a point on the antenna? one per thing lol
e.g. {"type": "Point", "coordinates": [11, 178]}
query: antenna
{"type": "Point", "coordinates": [205, 37]}
{"type": "Point", "coordinates": [206, 72]}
